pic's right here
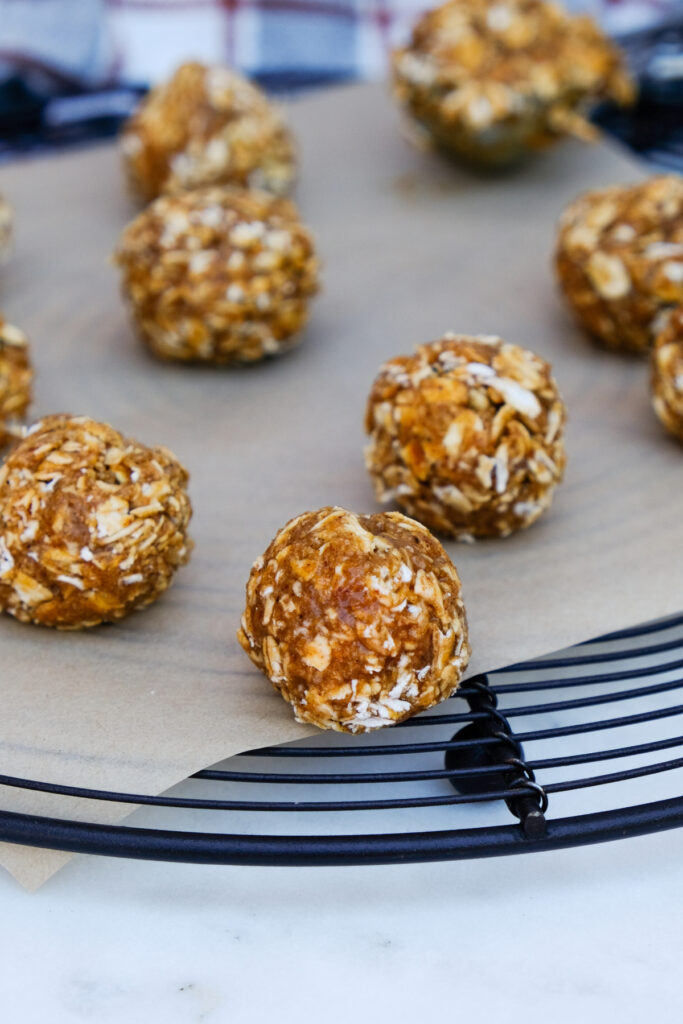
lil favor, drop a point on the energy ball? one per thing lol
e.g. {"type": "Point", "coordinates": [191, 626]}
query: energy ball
{"type": "Point", "coordinates": [5, 230]}
{"type": "Point", "coordinates": [619, 260]}
{"type": "Point", "coordinates": [466, 436]}
{"type": "Point", "coordinates": [218, 275]}
{"type": "Point", "coordinates": [491, 81]}
{"type": "Point", "coordinates": [667, 375]}
{"type": "Point", "coordinates": [207, 126]}
{"type": "Point", "coordinates": [357, 620]}
{"type": "Point", "coordinates": [92, 524]}
{"type": "Point", "coordinates": [16, 376]}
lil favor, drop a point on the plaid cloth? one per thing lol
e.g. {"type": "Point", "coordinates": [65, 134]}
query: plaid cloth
{"type": "Point", "coordinates": [141, 41]}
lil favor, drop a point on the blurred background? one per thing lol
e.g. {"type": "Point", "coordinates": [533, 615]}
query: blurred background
{"type": "Point", "coordinates": [70, 70]}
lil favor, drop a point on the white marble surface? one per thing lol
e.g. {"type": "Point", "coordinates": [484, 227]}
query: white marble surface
{"type": "Point", "coordinates": [590, 934]}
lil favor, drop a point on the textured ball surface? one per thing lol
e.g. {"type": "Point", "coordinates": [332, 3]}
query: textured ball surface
{"type": "Point", "coordinates": [466, 435]}
{"type": "Point", "coordinates": [92, 524]}
{"type": "Point", "coordinates": [218, 275]}
{"type": "Point", "coordinates": [357, 620]}
{"type": "Point", "coordinates": [16, 376]}
{"type": "Point", "coordinates": [619, 260]}
{"type": "Point", "coordinates": [667, 375]}
{"type": "Point", "coordinates": [492, 80]}
{"type": "Point", "coordinates": [207, 126]}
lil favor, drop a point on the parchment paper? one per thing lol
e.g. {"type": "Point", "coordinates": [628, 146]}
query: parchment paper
{"type": "Point", "coordinates": [411, 248]}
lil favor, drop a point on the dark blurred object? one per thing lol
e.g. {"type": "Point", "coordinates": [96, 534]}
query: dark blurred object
{"type": "Point", "coordinates": [31, 121]}
{"type": "Point", "coordinates": [653, 128]}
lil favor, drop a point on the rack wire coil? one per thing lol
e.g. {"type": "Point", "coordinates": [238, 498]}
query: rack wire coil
{"type": "Point", "coordinates": [492, 771]}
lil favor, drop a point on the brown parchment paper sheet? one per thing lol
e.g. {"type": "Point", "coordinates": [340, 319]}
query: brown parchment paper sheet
{"type": "Point", "coordinates": [411, 247]}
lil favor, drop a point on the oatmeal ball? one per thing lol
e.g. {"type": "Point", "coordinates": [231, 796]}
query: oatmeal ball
{"type": "Point", "coordinates": [16, 375]}
{"type": "Point", "coordinates": [92, 524]}
{"type": "Point", "coordinates": [667, 375]}
{"type": "Point", "coordinates": [218, 275]}
{"type": "Point", "coordinates": [619, 260]}
{"type": "Point", "coordinates": [357, 620]}
{"type": "Point", "coordinates": [492, 80]}
{"type": "Point", "coordinates": [207, 126]}
{"type": "Point", "coordinates": [5, 229]}
{"type": "Point", "coordinates": [466, 435]}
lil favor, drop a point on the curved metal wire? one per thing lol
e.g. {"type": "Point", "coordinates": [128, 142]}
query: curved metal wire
{"type": "Point", "coordinates": [486, 762]}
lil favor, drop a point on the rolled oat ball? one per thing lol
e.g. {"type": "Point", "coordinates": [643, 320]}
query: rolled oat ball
{"type": "Point", "coordinates": [16, 375]}
{"type": "Point", "coordinates": [207, 126]}
{"type": "Point", "coordinates": [466, 436]}
{"type": "Point", "coordinates": [357, 620]}
{"type": "Point", "coordinates": [5, 229]}
{"type": "Point", "coordinates": [92, 524]}
{"type": "Point", "coordinates": [619, 260]}
{"type": "Point", "coordinates": [667, 375]}
{"type": "Point", "coordinates": [218, 275]}
{"type": "Point", "coordinates": [491, 81]}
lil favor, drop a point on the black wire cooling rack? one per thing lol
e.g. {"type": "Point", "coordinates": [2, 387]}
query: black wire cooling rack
{"type": "Point", "coordinates": [551, 753]}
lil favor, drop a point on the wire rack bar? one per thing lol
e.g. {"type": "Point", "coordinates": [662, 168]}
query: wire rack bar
{"type": "Point", "coordinates": [485, 764]}
{"type": "Point", "coordinates": [644, 629]}
{"type": "Point", "coordinates": [293, 851]}
{"type": "Point", "coordinates": [365, 778]}
{"type": "Point", "coordinates": [420, 748]}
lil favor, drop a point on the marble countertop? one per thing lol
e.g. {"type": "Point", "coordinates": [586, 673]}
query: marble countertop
{"type": "Point", "coordinates": [586, 934]}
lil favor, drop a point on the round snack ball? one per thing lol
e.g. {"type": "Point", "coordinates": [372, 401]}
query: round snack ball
{"type": "Point", "coordinates": [207, 126]}
{"type": "Point", "coordinates": [92, 524]}
{"type": "Point", "coordinates": [357, 620]}
{"type": "Point", "coordinates": [667, 375]}
{"type": "Point", "coordinates": [493, 80]}
{"type": "Point", "coordinates": [218, 275]}
{"type": "Point", "coordinates": [5, 229]}
{"type": "Point", "coordinates": [466, 435]}
{"type": "Point", "coordinates": [16, 375]}
{"type": "Point", "coordinates": [619, 260]}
